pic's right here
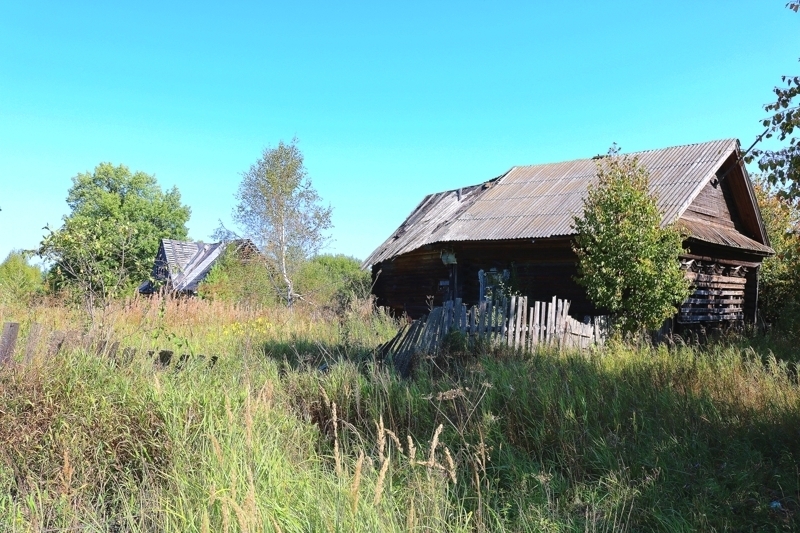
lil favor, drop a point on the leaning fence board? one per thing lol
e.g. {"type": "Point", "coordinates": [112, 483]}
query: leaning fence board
{"type": "Point", "coordinates": [34, 335]}
{"type": "Point", "coordinates": [8, 341]}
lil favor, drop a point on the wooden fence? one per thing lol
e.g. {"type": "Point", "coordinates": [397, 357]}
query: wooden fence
{"type": "Point", "coordinates": [58, 341]}
{"type": "Point", "coordinates": [511, 322]}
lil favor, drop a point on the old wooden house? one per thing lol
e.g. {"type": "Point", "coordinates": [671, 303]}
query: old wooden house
{"type": "Point", "coordinates": [180, 266]}
{"type": "Point", "coordinates": [516, 229]}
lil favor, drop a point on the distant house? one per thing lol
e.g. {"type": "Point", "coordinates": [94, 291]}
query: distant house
{"type": "Point", "coordinates": [180, 266]}
{"type": "Point", "coordinates": [517, 228]}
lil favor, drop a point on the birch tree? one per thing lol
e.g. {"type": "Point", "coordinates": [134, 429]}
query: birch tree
{"type": "Point", "coordinates": [282, 213]}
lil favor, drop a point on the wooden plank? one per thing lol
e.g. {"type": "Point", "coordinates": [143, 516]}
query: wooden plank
{"type": "Point", "coordinates": [473, 321]}
{"type": "Point", "coordinates": [710, 318]}
{"type": "Point", "coordinates": [482, 324]}
{"type": "Point", "coordinates": [523, 336]}
{"type": "Point", "coordinates": [464, 323]}
{"type": "Point", "coordinates": [713, 278]}
{"type": "Point", "coordinates": [531, 331]}
{"type": "Point", "coordinates": [56, 342]}
{"type": "Point", "coordinates": [518, 323]}
{"type": "Point", "coordinates": [551, 320]}
{"type": "Point", "coordinates": [559, 331]}
{"type": "Point", "coordinates": [537, 322]}
{"type": "Point", "coordinates": [34, 336]}
{"type": "Point", "coordinates": [8, 341]}
{"type": "Point", "coordinates": [127, 356]}
{"type": "Point", "coordinates": [503, 315]}
{"type": "Point", "coordinates": [112, 350]}
{"type": "Point", "coordinates": [718, 301]}
{"type": "Point", "coordinates": [716, 292]}
{"type": "Point", "coordinates": [710, 310]}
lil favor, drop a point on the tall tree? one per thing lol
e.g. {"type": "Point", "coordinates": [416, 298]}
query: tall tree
{"type": "Point", "coordinates": [282, 213]}
{"type": "Point", "coordinates": [109, 239]}
{"type": "Point", "coordinates": [782, 166]}
{"type": "Point", "coordinates": [628, 262]}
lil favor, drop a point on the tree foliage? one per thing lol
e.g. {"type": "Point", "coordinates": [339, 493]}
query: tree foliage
{"type": "Point", "coordinates": [240, 280]}
{"type": "Point", "coordinates": [19, 280]}
{"type": "Point", "coordinates": [782, 166]}
{"type": "Point", "coordinates": [334, 281]}
{"type": "Point", "coordinates": [779, 279]}
{"type": "Point", "coordinates": [628, 262]}
{"type": "Point", "coordinates": [281, 212]}
{"type": "Point", "coordinates": [109, 239]}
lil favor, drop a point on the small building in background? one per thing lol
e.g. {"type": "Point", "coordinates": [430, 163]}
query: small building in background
{"type": "Point", "coordinates": [180, 266]}
{"type": "Point", "coordinates": [516, 230]}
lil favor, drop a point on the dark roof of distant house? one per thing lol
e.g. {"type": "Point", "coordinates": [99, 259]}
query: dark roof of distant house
{"type": "Point", "coordinates": [182, 265]}
{"type": "Point", "coordinates": [539, 201]}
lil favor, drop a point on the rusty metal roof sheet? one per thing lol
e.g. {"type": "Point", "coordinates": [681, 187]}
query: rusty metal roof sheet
{"type": "Point", "coordinates": [724, 235]}
{"type": "Point", "coordinates": [539, 201]}
{"type": "Point", "coordinates": [185, 264]}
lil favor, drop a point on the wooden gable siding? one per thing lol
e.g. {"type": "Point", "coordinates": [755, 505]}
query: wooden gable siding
{"type": "Point", "coordinates": [728, 201]}
{"type": "Point", "coordinates": [715, 204]}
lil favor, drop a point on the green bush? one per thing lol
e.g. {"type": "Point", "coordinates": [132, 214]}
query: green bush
{"type": "Point", "coordinates": [628, 263]}
{"type": "Point", "coordinates": [19, 280]}
{"type": "Point", "coordinates": [334, 281]}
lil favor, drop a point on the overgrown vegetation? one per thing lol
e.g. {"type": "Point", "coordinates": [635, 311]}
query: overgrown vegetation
{"type": "Point", "coordinates": [106, 244]}
{"type": "Point", "coordinates": [627, 262]}
{"type": "Point", "coordinates": [19, 280]}
{"type": "Point", "coordinates": [299, 428]}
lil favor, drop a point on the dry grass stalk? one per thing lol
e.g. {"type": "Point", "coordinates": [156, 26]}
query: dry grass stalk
{"type": "Point", "coordinates": [205, 526]}
{"type": "Point", "coordinates": [381, 440]}
{"type": "Point", "coordinates": [337, 459]}
{"type": "Point", "coordinates": [228, 410]}
{"type": "Point", "coordinates": [357, 481]}
{"type": "Point", "coordinates": [394, 439]}
{"type": "Point", "coordinates": [226, 516]}
{"type": "Point", "coordinates": [451, 467]}
{"type": "Point", "coordinates": [217, 449]}
{"type": "Point", "coordinates": [381, 480]}
{"type": "Point", "coordinates": [275, 524]}
{"type": "Point", "coordinates": [412, 451]}
{"type": "Point", "coordinates": [434, 444]}
{"type": "Point", "coordinates": [411, 518]}
{"type": "Point", "coordinates": [241, 515]}
{"type": "Point", "coordinates": [248, 420]}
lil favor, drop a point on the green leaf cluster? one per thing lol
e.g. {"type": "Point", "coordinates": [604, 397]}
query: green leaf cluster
{"type": "Point", "coordinates": [779, 278]}
{"type": "Point", "coordinates": [19, 280]}
{"type": "Point", "coordinates": [334, 281]}
{"type": "Point", "coordinates": [628, 262]}
{"type": "Point", "coordinates": [107, 242]}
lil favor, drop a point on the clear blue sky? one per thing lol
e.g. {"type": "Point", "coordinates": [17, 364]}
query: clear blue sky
{"type": "Point", "coordinates": [390, 100]}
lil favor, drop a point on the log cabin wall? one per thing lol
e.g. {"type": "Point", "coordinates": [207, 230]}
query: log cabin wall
{"type": "Point", "coordinates": [540, 270]}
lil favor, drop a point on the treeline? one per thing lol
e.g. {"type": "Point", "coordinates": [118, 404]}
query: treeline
{"type": "Point", "coordinates": [106, 244]}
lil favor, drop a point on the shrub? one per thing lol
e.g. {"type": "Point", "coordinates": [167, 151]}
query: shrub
{"type": "Point", "coordinates": [628, 262]}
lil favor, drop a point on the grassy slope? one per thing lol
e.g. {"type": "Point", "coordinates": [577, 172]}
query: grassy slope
{"type": "Point", "coordinates": [636, 439]}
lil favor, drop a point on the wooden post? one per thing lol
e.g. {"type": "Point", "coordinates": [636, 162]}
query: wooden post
{"type": "Point", "coordinates": [8, 341]}
{"type": "Point", "coordinates": [56, 342]}
{"type": "Point", "coordinates": [112, 351]}
{"type": "Point", "coordinates": [34, 335]}
{"type": "Point", "coordinates": [523, 325]}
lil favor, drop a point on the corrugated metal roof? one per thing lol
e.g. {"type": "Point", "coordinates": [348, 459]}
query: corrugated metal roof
{"type": "Point", "coordinates": [540, 201]}
{"type": "Point", "coordinates": [187, 263]}
{"type": "Point", "coordinates": [724, 235]}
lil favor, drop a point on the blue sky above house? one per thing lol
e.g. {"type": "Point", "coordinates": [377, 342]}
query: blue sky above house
{"type": "Point", "coordinates": [390, 101]}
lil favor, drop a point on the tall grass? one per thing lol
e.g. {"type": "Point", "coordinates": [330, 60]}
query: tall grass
{"type": "Point", "coordinates": [299, 428]}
